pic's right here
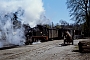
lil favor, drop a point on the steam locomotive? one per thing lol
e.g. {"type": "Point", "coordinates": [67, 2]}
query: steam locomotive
{"type": "Point", "coordinates": [39, 33]}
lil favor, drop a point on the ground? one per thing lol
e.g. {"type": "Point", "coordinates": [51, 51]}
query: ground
{"type": "Point", "coordinates": [51, 50]}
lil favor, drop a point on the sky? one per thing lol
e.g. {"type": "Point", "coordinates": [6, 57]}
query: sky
{"type": "Point", "coordinates": [56, 10]}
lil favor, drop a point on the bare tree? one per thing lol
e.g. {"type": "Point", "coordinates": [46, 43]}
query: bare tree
{"type": "Point", "coordinates": [79, 11]}
{"type": "Point", "coordinates": [63, 22]}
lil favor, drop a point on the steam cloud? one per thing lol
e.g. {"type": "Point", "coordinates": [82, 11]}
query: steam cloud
{"type": "Point", "coordinates": [33, 11]}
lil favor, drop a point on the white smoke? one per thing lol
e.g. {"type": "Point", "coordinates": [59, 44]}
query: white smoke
{"type": "Point", "coordinates": [32, 10]}
{"type": "Point", "coordinates": [9, 34]}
